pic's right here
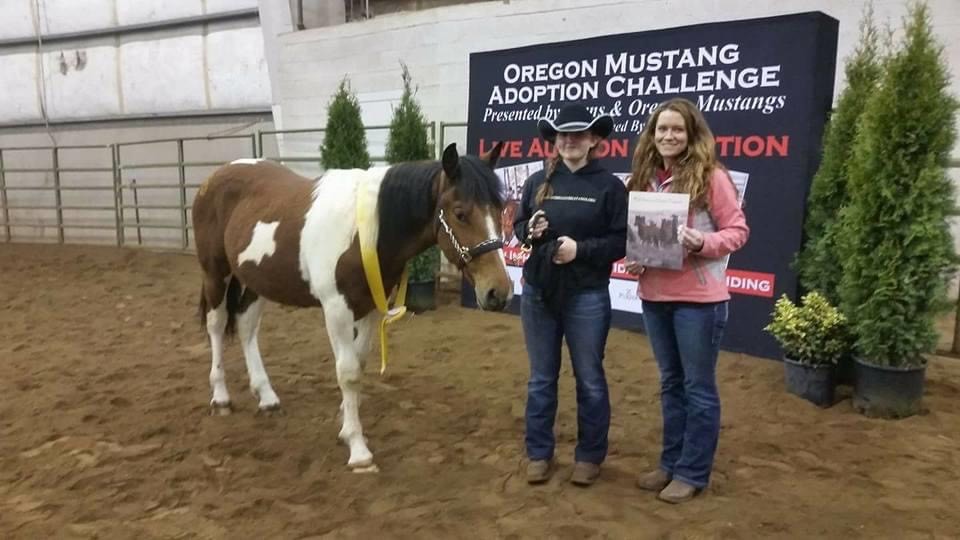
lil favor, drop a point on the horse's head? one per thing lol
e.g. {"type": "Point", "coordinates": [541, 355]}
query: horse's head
{"type": "Point", "coordinates": [469, 232]}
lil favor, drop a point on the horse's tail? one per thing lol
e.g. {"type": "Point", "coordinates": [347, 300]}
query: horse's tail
{"type": "Point", "coordinates": [233, 305]}
{"type": "Point", "coordinates": [234, 292]}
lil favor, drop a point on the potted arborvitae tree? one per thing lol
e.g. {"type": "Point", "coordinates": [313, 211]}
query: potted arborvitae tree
{"type": "Point", "coordinates": [817, 261]}
{"type": "Point", "coordinates": [896, 248]}
{"type": "Point", "coordinates": [407, 141]}
{"type": "Point", "coordinates": [422, 288]}
{"type": "Point", "coordinates": [345, 141]}
{"type": "Point", "coordinates": [814, 337]}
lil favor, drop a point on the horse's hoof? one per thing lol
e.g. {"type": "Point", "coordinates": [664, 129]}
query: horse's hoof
{"type": "Point", "coordinates": [361, 463]}
{"type": "Point", "coordinates": [220, 409]}
{"type": "Point", "coordinates": [371, 468]}
{"type": "Point", "coordinates": [270, 410]}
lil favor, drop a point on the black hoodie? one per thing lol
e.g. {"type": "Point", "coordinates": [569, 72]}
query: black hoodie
{"type": "Point", "coordinates": [589, 206]}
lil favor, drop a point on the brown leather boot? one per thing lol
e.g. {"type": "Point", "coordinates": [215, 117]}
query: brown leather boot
{"type": "Point", "coordinates": [585, 474]}
{"type": "Point", "coordinates": [653, 480]}
{"type": "Point", "coordinates": [539, 471]}
{"type": "Point", "coordinates": [677, 492]}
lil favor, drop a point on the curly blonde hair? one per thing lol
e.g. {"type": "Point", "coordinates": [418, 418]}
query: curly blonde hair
{"type": "Point", "coordinates": [692, 170]}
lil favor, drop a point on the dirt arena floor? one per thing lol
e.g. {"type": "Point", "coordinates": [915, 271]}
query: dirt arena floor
{"type": "Point", "coordinates": [105, 432]}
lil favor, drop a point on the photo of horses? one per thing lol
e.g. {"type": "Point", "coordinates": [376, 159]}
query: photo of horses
{"type": "Point", "coordinates": [740, 182]}
{"type": "Point", "coordinates": [653, 228]}
{"type": "Point", "coordinates": [513, 177]}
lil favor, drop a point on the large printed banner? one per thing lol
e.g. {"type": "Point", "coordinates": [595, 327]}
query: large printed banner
{"type": "Point", "coordinates": [765, 87]}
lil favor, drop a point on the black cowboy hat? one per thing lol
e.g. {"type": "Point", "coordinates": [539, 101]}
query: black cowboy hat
{"type": "Point", "coordinates": [573, 118]}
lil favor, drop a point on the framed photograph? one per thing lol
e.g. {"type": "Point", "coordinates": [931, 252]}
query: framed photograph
{"type": "Point", "coordinates": [653, 227]}
{"type": "Point", "coordinates": [513, 177]}
{"type": "Point", "coordinates": [740, 181]}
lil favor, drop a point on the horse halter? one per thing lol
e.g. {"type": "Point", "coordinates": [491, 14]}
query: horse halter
{"type": "Point", "coordinates": [468, 254]}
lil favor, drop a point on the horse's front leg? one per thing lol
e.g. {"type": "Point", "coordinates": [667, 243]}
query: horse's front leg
{"type": "Point", "coordinates": [339, 321]}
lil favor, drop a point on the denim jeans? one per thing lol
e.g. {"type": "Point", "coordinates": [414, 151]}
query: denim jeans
{"type": "Point", "coordinates": [686, 341]}
{"type": "Point", "coordinates": [584, 320]}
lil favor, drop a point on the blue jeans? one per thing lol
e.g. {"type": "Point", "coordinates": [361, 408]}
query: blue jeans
{"type": "Point", "coordinates": [585, 322]}
{"type": "Point", "coordinates": [686, 342]}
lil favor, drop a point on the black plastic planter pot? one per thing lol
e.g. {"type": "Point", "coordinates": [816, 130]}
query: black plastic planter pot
{"type": "Point", "coordinates": [421, 296]}
{"type": "Point", "coordinates": [815, 384]}
{"type": "Point", "coordinates": [888, 392]}
{"type": "Point", "coordinates": [845, 371]}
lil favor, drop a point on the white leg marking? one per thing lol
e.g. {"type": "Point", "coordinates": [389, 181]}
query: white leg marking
{"type": "Point", "coordinates": [339, 322]}
{"type": "Point", "coordinates": [328, 231]}
{"type": "Point", "coordinates": [248, 323]}
{"type": "Point", "coordinates": [216, 324]}
{"type": "Point", "coordinates": [261, 243]}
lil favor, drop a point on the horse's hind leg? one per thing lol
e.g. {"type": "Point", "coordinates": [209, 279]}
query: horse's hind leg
{"type": "Point", "coordinates": [248, 324]}
{"type": "Point", "coordinates": [339, 322]}
{"type": "Point", "coordinates": [365, 328]}
{"type": "Point", "coordinates": [215, 304]}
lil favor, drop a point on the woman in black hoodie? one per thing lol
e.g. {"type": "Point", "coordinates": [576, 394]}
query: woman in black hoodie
{"type": "Point", "coordinates": [574, 216]}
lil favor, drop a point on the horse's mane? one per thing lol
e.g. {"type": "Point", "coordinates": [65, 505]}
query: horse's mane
{"type": "Point", "coordinates": [407, 199]}
{"type": "Point", "coordinates": [481, 186]}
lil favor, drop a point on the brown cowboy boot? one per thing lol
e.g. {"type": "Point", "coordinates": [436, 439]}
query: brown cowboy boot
{"type": "Point", "coordinates": [653, 480]}
{"type": "Point", "coordinates": [677, 492]}
{"type": "Point", "coordinates": [585, 474]}
{"type": "Point", "coordinates": [539, 471]}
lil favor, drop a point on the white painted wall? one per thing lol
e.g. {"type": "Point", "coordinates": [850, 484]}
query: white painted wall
{"type": "Point", "coordinates": [162, 75]}
{"type": "Point", "coordinates": [215, 67]}
{"type": "Point", "coordinates": [62, 16]}
{"type": "Point", "coordinates": [21, 100]}
{"type": "Point", "coordinates": [236, 69]}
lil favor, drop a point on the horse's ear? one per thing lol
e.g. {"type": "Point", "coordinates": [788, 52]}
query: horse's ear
{"type": "Point", "coordinates": [451, 161]}
{"type": "Point", "coordinates": [493, 155]}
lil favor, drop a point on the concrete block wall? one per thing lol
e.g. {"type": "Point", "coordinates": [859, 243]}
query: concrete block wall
{"type": "Point", "coordinates": [436, 44]}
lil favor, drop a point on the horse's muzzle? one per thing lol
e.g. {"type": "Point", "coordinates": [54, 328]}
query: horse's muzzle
{"type": "Point", "coordinates": [494, 300]}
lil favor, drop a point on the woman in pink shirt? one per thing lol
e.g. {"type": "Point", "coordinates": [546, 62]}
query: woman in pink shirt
{"type": "Point", "coordinates": [685, 311]}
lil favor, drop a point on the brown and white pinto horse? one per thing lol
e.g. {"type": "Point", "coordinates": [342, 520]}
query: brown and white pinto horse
{"type": "Point", "coordinates": [265, 233]}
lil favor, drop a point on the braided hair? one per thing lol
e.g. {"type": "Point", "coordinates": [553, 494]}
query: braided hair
{"type": "Point", "coordinates": [546, 190]}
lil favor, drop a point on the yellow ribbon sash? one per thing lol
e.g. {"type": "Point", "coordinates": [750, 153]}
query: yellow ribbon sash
{"type": "Point", "coordinates": [367, 232]}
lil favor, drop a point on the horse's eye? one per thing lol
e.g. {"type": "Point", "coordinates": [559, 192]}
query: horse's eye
{"type": "Point", "coordinates": [460, 215]}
